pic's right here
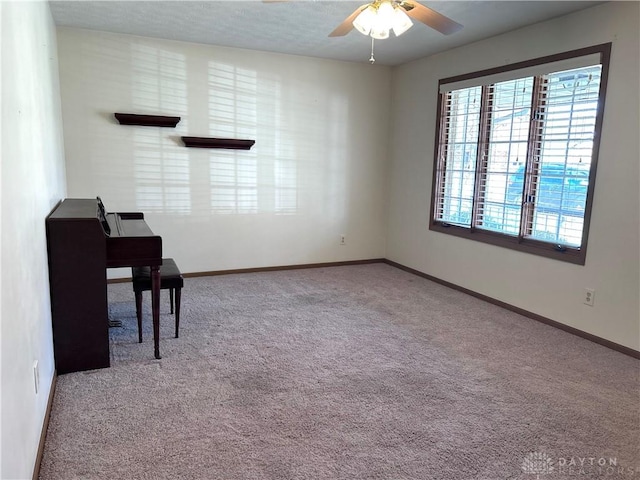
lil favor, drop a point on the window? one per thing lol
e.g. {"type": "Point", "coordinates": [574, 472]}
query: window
{"type": "Point", "coordinates": [516, 153]}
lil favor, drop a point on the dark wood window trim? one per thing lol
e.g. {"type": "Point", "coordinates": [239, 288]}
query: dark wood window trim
{"type": "Point", "coordinates": [521, 243]}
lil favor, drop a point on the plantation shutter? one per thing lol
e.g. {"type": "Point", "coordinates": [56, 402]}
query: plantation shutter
{"type": "Point", "coordinates": [456, 163]}
{"type": "Point", "coordinates": [557, 180]}
{"type": "Point", "coordinates": [504, 152]}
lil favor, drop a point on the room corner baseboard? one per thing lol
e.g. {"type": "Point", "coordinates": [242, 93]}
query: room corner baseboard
{"type": "Point", "coordinates": [45, 426]}
{"type": "Point", "coordinates": [534, 316]}
{"type": "Point", "coordinates": [118, 280]}
{"type": "Point", "coordinates": [284, 267]}
{"type": "Point", "coordinates": [266, 269]}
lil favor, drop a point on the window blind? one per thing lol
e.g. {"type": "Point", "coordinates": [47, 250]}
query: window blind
{"type": "Point", "coordinates": [505, 147]}
{"type": "Point", "coordinates": [558, 175]}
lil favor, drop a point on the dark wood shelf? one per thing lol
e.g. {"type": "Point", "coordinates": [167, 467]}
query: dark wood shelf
{"type": "Point", "coordinates": [147, 120]}
{"type": "Point", "coordinates": [230, 143]}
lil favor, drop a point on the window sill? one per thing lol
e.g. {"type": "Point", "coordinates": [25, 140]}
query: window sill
{"type": "Point", "coordinates": [576, 256]}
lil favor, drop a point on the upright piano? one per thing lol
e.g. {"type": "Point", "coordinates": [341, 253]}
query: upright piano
{"type": "Point", "coordinates": [83, 240]}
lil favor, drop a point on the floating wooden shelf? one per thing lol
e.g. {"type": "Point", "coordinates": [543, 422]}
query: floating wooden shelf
{"type": "Point", "coordinates": [231, 143]}
{"type": "Point", "coordinates": [147, 120]}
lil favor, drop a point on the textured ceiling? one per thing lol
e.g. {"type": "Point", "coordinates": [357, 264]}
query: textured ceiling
{"type": "Point", "coordinates": [302, 27]}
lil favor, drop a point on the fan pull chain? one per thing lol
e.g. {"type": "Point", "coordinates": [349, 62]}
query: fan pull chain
{"type": "Point", "coordinates": [372, 60]}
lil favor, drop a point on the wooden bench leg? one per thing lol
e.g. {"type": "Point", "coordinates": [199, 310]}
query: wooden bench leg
{"type": "Point", "coordinates": [171, 299]}
{"type": "Point", "coordinates": [139, 314]}
{"type": "Point", "coordinates": [178, 294]}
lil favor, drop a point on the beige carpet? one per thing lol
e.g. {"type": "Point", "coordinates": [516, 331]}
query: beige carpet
{"type": "Point", "coordinates": [358, 372]}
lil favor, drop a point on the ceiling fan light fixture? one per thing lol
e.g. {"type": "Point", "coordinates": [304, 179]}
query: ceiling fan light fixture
{"type": "Point", "coordinates": [383, 21]}
{"type": "Point", "coordinates": [379, 17]}
{"type": "Point", "coordinates": [386, 13]}
{"type": "Point", "coordinates": [379, 33]}
{"type": "Point", "coordinates": [365, 20]}
{"type": "Point", "coordinates": [401, 21]}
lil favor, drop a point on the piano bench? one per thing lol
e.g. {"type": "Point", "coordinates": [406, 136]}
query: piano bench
{"type": "Point", "coordinates": [170, 278]}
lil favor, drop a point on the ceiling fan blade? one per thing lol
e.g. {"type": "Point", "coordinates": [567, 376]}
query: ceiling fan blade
{"type": "Point", "coordinates": [430, 17]}
{"type": "Point", "coordinates": [347, 25]}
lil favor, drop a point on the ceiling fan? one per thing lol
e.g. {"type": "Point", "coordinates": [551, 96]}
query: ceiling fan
{"type": "Point", "coordinates": [378, 18]}
{"type": "Point", "coordinates": [396, 15]}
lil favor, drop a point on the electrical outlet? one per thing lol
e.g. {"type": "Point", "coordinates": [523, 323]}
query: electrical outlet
{"type": "Point", "coordinates": [343, 239]}
{"type": "Point", "coordinates": [36, 376]}
{"type": "Point", "coordinates": [589, 296]}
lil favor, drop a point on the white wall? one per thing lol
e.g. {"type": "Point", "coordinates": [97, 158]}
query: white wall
{"type": "Point", "coordinates": [317, 170]}
{"type": "Point", "coordinates": [543, 286]}
{"type": "Point", "coordinates": [32, 183]}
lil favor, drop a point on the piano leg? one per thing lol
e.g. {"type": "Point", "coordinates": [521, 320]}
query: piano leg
{"type": "Point", "coordinates": [155, 308]}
